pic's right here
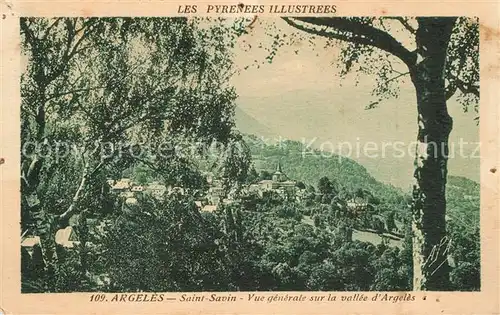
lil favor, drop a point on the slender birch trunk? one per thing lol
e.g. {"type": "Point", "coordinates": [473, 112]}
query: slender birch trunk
{"type": "Point", "coordinates": [430, 243]}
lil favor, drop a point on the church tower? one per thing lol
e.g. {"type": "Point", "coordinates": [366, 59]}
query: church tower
{"type": "Point", "coordinates": [278, 175]}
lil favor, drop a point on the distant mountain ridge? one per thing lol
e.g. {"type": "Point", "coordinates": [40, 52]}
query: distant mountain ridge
{"type": "Point", "coordinates": [330, 118]}
{"type": "Point", "coordinates": [306, 166]}
{"type": "Point", "coordinates": [247, 124]}
{"type": "Point", "coordinates": [309, 166]}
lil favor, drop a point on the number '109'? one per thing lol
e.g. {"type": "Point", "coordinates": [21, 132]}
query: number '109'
{"type": "Point", "coordinates": [97, 297]}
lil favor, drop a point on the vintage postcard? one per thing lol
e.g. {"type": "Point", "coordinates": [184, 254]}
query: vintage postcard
{"type": "Point", "coordinates": [168, 157]}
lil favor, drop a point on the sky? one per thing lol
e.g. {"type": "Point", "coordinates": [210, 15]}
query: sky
{"type": "Point", "coordinates": [299, 96]}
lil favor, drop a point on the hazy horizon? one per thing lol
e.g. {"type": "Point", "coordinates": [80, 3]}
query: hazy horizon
{"type": "Point", "coordinates": [299, 96]}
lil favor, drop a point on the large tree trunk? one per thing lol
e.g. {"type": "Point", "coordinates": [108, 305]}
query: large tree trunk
{"type": "Point", "coordinates": [430, 244]}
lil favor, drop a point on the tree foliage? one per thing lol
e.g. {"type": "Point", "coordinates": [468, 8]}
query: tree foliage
{"type": "Point", "coordinates": [100, 95]}
{"type": "Point", "coordinates": [442, 62]}
{"type": "Point", "coordinates": [106, 85]}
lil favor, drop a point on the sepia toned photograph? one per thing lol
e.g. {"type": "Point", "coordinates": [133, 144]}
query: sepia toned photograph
{"type": "Point", "coordinates": [226, 154]}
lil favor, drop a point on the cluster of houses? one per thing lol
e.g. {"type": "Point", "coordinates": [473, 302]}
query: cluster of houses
{"type": "Point", "coordinates": [357, 205]}
{"type": "Point", "coordinates": [127, 190]}
{"type": "Point", "coordinates": [215, 196]}
{"type": "Point", "coordinates": [65, 237]}
{"type": "Point", "coordinates": [279, 183]}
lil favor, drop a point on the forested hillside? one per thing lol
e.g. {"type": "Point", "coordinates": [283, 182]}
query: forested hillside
{"type": "Point", "coordinates": [138, 180]}
{"type": "Point", "coordinates": [308, 165]}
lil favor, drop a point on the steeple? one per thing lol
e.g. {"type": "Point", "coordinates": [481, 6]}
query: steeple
{"type": "Point", "coordinates": [278, 175]}
{"type": "Point", "coordinates": [278, 167]}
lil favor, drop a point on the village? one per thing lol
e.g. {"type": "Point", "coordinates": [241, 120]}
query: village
{"type": "Point", "coordinates": [127, 190]}
{"type": "Point", "coordinates": [128, 194]}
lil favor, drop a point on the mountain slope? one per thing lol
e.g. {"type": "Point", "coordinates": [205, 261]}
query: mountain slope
{"type": "Point", "coordinates": [335, 116]}
{"type": "Point", "coordinates": [463, 204]}
{"type": "Point", "coordinates": [308, 166]}
{"type": "Point", "coordinates": [249, 125]}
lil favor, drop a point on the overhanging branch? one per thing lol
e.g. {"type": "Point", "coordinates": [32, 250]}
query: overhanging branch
{"type": "Point", "coordinates": [398, 76]}
{"type": "Point", "coordinates": [468, 89]}
{"type": "Point", "coordinates": [323, 32]}
{"type": "Point", "coordinates": [353, 31]}
{"type": "Point", "coordinates": [462, 87]}
{"type": "Point", "coordinates": [405, 23]}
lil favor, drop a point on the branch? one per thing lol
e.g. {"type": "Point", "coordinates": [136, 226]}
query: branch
{"type": "Point", "coordinates": [71, 52]}
{"type": "Point", "coordinates": [76, 198]}
{"type": "Point", "coordinates": [463, 87]}
{"type": "Point", "coordinates": [84, 110]}
{"type": "Point", "coordinates": [355, 32]}
{"type": "Point", "coordinates": [98, 167]}
{"type": "Point", "coordinates": [399, 75]}
{"type": "Point", "coordinates": [30, 37]}
{"type": "Point", "coordinates": [452, 86]}
{"type": "Point", "coordinates": [324, 33]}
{"type": "Point", "coordinates": [85, 34]}
{"type": "Point", "coordinates": [405, 23]}
{"type": "Point", "coordinates": [133, 123]}
{"type": "Point", "coordinates": [83, 182]}
{"type": "Point", "coordinates": [47, 32]}
{"type": "Point", "coordinates": [74, 91]}
{"type": "Point", "coordinates": [394, 70]}
{"type": "Point", "coordinates": [450, 90]}
{"type": "Point", "coordinates": [468, 89]}
{"type": "Point", "coordinates": [151, 165]}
